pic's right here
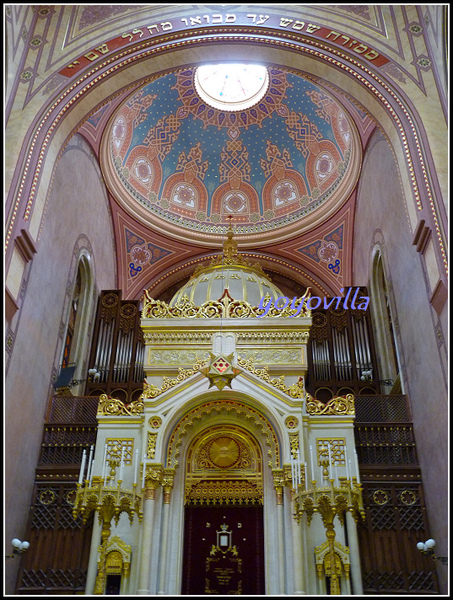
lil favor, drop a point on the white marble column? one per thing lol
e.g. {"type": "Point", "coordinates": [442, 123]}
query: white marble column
{"type": "Point", "coordinates": [93, 561]}
{"type": "Point", "coordinates": [354, 555]}
{"type": "Point", "coordinates": [298, 560]}
{"type": "Point", "coordinates": [167, 485]}
{"type": "Point", "coordinates": [147, 533]}
{"type": "Point", "coordinates": [279, 487]}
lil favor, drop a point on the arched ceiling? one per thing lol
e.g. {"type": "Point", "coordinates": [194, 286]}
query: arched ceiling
{"type": "Point", "coordinates": [279, 167]}
{"type": "Point", "coordinates": [340, 67]}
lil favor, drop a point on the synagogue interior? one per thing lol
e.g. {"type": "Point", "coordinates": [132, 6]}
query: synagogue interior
{"type": "Point", "coordinates": [226, 299]}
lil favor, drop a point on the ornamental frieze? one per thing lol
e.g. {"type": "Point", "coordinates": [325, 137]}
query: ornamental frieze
{"type": "Point", "coordinates": [175, 357]}
{"type": "Point", "coordinates": [226, 307]}
{"type": "Point", "coordinates": [275, 356]}
{"type": "Point", "coordinates": [342, 405]}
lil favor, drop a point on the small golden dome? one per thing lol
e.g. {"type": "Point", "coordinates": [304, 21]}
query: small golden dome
{"type": "Point", "coordinates": [232, 272]}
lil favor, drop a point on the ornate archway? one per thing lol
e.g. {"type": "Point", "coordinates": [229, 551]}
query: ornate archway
{"type": "Point", "coordinates": [224, 466]}
{"type": "Point", "coordinates": [223, 532]}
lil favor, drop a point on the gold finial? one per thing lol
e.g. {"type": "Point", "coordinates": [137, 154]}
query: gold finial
{"type": "Point", "coordinates": [230, 256]}
{"type": "Point", "coordinates": [230, 247]}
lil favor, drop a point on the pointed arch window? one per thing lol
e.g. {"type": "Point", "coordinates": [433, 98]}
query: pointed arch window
{"type": "Point", "coordinates": [76, 336]}
{"type": "Point", "coordinates": [385, 327]}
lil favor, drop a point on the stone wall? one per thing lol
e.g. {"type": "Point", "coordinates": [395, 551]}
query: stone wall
{"type": "Point", "coordinates": [384, 224]}
{"type": "Point", "coordinates": [77, 221]}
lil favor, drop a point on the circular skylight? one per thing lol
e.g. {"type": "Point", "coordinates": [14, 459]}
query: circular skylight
{"type": "Point", "coordinates": [231, 86]}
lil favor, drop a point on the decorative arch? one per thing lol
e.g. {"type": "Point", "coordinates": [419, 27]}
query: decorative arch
{"type": "Point", "coordinates": [250, 418]}
{"type": "Point", "coordinates": [224, 466]}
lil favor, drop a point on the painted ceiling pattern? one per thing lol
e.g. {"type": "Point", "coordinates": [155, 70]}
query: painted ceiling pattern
{"type": "Point", "coordinates": [197, 167]}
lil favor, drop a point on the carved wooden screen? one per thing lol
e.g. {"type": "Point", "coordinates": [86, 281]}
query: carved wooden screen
{"type": "Point", "coordinates": [117, 352]}
{"type": "Point", "coordinates": [57, 560]}
{"type": "Point", "coordinates": [393, 500]}
{"type": "Point", "coordinates": [341, 351]}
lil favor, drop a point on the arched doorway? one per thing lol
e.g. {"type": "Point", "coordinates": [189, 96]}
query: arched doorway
{"type": "Point", "coordinates": [223, 533]}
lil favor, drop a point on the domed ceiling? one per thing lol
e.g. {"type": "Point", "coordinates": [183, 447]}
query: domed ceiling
{"type": "Point", "coordinates": [181, 164]}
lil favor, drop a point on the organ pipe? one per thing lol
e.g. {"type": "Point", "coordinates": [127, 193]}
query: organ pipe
{"type": "Point", "coordinates": [341, 347]}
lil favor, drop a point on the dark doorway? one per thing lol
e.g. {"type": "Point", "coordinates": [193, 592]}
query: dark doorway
{"type": "Point", "coordinates": [112, 586]}
{"type": "Point", "coordinates": [223, 550]}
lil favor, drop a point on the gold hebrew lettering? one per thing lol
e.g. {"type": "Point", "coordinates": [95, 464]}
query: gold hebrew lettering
{"type": "Point", "coordinates": [91, 55]}
{"type": "Point", "coordinates": [285, 22]}
{"type": "Point", "coordinates": [371, 55]}
{"type": "Point", "coordinates": [333, 33]}
{"type": "Point", "coordinates": [360, 48]}
{"type": "Point", "coordinates": [298, 25]}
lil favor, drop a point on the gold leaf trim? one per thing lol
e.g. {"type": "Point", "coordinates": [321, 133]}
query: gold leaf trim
{"type": "Point", "coordinates": [225, 308]}
{"type": "Point", "coordinates": [296, 390]}
{"type": "Point", "coordinates": [341, 405]}
{"type": "Point", "coordinates": [109, 406]}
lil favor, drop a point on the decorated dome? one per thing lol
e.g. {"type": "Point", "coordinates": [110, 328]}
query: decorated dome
{"type": "Point", "coordinates": [242, 283]}
{"type": "Point", "coordinates": [231, 272]}
{"type": "Point", "coordinates": [182, 164]}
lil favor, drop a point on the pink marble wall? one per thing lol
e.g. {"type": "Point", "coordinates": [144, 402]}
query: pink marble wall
{"type": "Point", "coordinates": [421, 341]}
{"type": "Point", "coordinates": [77, 216]}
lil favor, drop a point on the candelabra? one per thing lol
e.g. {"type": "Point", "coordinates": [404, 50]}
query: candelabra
{"type": "Point", "coordinates": [331, 499]}
{"type": "Point", "coordinates": [100, 494]}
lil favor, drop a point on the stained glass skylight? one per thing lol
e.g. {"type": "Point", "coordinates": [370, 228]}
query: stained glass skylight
{"type": "Point", "coordinates": [231, 86]}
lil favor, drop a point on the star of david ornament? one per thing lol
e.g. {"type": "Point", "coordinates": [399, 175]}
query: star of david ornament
{"type": "Point", "coordinates": [220, 371]}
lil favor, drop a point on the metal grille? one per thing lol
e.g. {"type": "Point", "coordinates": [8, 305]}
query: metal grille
{"type": "Point", "coordinates": [73, 409]}
{"type": "Point", "coordinates": [381, 409]}
{"type": "Point", "coordinates": [58, 580]}
{"type": "Point", "coordinates": [421, 580]}
{"type": "Point", "coordinates": [390, 581]}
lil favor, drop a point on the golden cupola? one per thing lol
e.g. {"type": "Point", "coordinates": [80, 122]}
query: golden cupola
{"type": "Point", "coordinates": [230, 271]}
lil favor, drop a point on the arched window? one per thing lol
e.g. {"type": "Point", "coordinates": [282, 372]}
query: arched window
{"type": "Point", "coordinates": [76, 343]}
{"type": "Point", "coordinates": [384, 327]}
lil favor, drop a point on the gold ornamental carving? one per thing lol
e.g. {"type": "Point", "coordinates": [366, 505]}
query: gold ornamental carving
{"type": "Point", "coordinates": [188, 338]}
{"type": "Point", "coordinates": [249, 415]}
{"type": "Point", "coordinates": [291, 422]}
{"type": "Point", "coordinates": [109, 406]}
{"type": "Point", "coordinates": [225, 308]}
{"type": "Point", "coordinates": [224, 452]}
{"type": "Point", "coordinates": [342, 405]}
{"type": "Point", "coordinates": [267, 337]}
{"type": "Point", "coordinates": [224, 466]}
{"type": "Point", "coordinates": [168, 357]}
{"type": "Point", "coordinates": [275, 356]}
{"type": "Point", "coordinates": [151, 445]}
{"type": "Point", "coordinates": [155, 422]}
{"type": "Point", "coordinates": [297, 390]}
{"type": "Point", "coordinates": [152, 391]}
{"type": "Point", "coordinates": [227, 491]}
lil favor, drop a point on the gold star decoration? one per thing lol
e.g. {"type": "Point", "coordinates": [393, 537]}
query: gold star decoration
{"type": "Point", "coordinates": [220, 371]}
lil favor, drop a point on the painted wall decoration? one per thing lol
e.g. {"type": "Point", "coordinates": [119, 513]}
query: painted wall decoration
{"type": "Point", "coordinates": [327, 250]}
{"type": "Point", "coordinates": [183, 163]}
